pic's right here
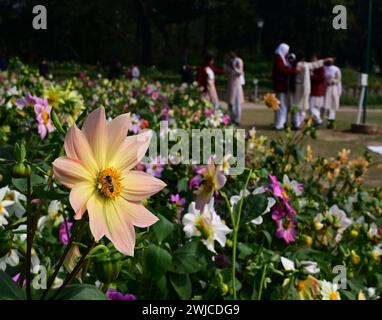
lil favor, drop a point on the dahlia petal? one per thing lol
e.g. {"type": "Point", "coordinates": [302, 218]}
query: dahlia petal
{"type": "Point", "coordinates": [131, 151]}
{"type": "Point", "coordinates": [79, 197]}
{"type": "Point", "coordinates": [117, 132]}
{"type": "Point", "coordinates": [136, 214]}
{"type": "Point", "coordinates": [120, 230]}
{"type": "Point", "coordinates": [70, 172]}
{"type": "Point", "coordinates": [140, 185]}
{"type": "Point", "coordinates": [77, 147]}
{"type": "Point", "coordinates": [96, 131]}
{"type": "Point", "coordinates": [98, 208]}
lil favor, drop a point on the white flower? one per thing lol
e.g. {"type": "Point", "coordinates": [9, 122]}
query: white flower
{"type": "Point", "coordinates": [16, 197]}
{"type": "Point", "coordinates": [226, 165]}
{"type": "Point", "coordinates": [310, 267]}
{"type": "Point", "coordinates": [11, 258]}
{"type": "Point", "coordinates": [341, 221]}
{"type": "Point", "coordinates": [216, 118]}
{"type": "Point", "coordinates": [329, 291]}
{"type": "Point", "coordinates": [4, 203]}
{"type": "Point", "coordinates": [206, 224]}
{"type": "Point", "coordinates": [287, 264]}
{"type": "Point", "coordinates": [373, 231]}
{"type": "Point", "coordinates": [293, 185]}
{"type": "Point", "coordinates": [377, 252]}
{"type": "Point", "coordinates": [234, 200]}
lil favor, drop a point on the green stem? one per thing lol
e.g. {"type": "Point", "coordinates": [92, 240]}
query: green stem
{"type": "Point", "coordinates": [75, 271]}
{"type": "Point", "coordinates": [236, 227]}
{"type": "Point", "coordinates": [262, 282]}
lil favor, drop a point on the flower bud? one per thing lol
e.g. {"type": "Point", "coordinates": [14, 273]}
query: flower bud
{"type": "Point", "coordinates": [6, 240]}
{"type": "Point", "coordinates": [224, 288]}
{"type": "Point", "coordinates": [20, 170]}
{"type": "Point", "coordinates": [354, 233]}
{"type": "Point", "coordinates": [308, 240]}
{"type": "Point", "coordinates": [19, 152]}
{"type": "Point", "coordinates": [57, 122]}
{"type": "Point", "coordinates": [108, 268]}
{"type": "Point", "coordinates": [229, 243]}
{"type": "Point", "coordinates": [355, 258]}
{"type": "Point", "coordinates": [1, 178]}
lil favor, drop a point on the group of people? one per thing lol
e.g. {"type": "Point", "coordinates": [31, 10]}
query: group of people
{"type": "Point", "coordinates": [312, 87]}
{"type": "Point", "coordinates": [234, 69]}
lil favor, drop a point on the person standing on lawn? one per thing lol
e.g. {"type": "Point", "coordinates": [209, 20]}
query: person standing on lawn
{"type": "Point", "coordinates": [317, 94]}
{"type": "Point", "coordinates": [206, 79]}
{"type": "Point", "coordinates": [280, 72]}
{"type": "Point", "coordinates": [235, 73]}
{"type": "Point", "coordinates": [303, 88]}
{"type": "Point", "coordinates": [333, 92]}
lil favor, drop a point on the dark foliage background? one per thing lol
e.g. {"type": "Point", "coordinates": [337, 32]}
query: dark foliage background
{"type": "Point", "coordinates": [166, 32]}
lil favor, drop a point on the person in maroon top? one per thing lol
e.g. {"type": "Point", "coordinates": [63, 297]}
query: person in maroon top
{"type": "Point", "coordinates": [201, 74]}
{"type": "Point", "coordinates": [317, 92]}
{"type": "Point", "coordinates": [280, 72]}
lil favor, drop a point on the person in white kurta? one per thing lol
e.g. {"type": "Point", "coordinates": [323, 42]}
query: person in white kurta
{"type": "Point", "coordinates": [302, 91]}
{"type": "Point", "coordinates": [235, 72]}
{"type": "Point", "coordinates": [333, 92]}
{"type": "Point", "coordinates": [211, 88]}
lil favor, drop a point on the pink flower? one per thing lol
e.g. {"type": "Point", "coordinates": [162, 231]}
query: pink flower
{"type": "Point", "coordinates": [98, 170]}
{"type": "Point", "coordinates": [213, 180]}
{"type": "Point", "coordinates": [114, 294]}
{"type": "Point", "coordinates": [155, 95]}
{"type": "Point", "coordinates": [29, 100]}
{"type": "Point", "coordinates": [280, 192]}
{"type": "Point", "coordinates": [195, 182]}
{"type": "Point", "coordinates": [286, 229]}
{"type": "Point", "coordinates": [42, 110]}
{"type": "Point", "coordinates": [63, 234]}
{"type": "Point", "coordinates": [155, 167]}
{"type": "Point", "coordinates": [179, 202]}
{"type": "Point", "coordinates": [226, 119]}
{"type": "Point", "coordinates": [135, 123]}
{"type": "Point", "coordinates": [165, 113]}
{"type": "Point", "coordinates": [208, 112]}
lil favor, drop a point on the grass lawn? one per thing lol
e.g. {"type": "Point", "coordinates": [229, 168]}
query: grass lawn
{"type": "Point", "coordinates": [329, 142]}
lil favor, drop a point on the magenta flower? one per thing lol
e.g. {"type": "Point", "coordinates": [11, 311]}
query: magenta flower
{"type": "Point", "coordinates": [226, 119]}
{"type": "Point", "coordinates": [114, 294]}
{"type": "Point", "coordinates": [165, 114]}
{"type": "Point", "coordinates": [42, 110]}
{"type": "Point", "coordinates": [155, 167]}
{"type": "Point", "coordinates": [179, 202]}
{"type": "Point", "coordinates": [208, 112]}
{"type": "Point", "coordinates": [280, 192]}
{"type": "Point", "coordinates": [195, 182]}
{"type": "Point", "coordinates": [154, 95]}
{"type": "Point", "coordinates": [286, 229]}
{"type": "Point", "coordinates": [63, 234]}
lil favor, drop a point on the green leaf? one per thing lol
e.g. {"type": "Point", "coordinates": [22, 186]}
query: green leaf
{"type": "Point", "coordinates": [267, 236]}
{"type": "Point", "coordinates": [39, 192]}
{"type": "Point", "coordinates": [189, 259]}
{"type": "Point", "coordinates": [163, 228]}
{"type": "Point", "coordinates": [20, 184]}
{"type": "Point", "coordinates": [81, 292]}
{"type": "Point", "coordinates": [156, 261]}
{"type": "Point", "coordinates": [163, 286]}
{"type": "Point", "coordinates": [182, 285]}
{"type": "Point", "coordinates": [253, 206]}
{"type": "Point", "coordinates": [9, 290]}
{"type": "Point", "coordinates": [244, 250]}
{"type": "Point", "coordinates": [182, 185]}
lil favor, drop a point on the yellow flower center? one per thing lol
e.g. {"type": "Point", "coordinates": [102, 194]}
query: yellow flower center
{"type": "Point", "coordinates": [9, 196]}
{"type": "Point", "coordinates": [203, 227]}
{"type": "Point", "coordinates": [334, 295]}
{"type": "Point", "coordinates": [109, 182]}
{"type": "Point", "coordinates": [1, 209]}
{"type": "Point", "coordinates": [45, 117]}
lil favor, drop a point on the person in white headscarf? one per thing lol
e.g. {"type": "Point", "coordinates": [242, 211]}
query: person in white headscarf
{"type": "Point", "coordinates": [280, 72]}
{"type": "Point", "coordinates": [333, 92]}
{"type": "Point", "coordinates": [302, 89]}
